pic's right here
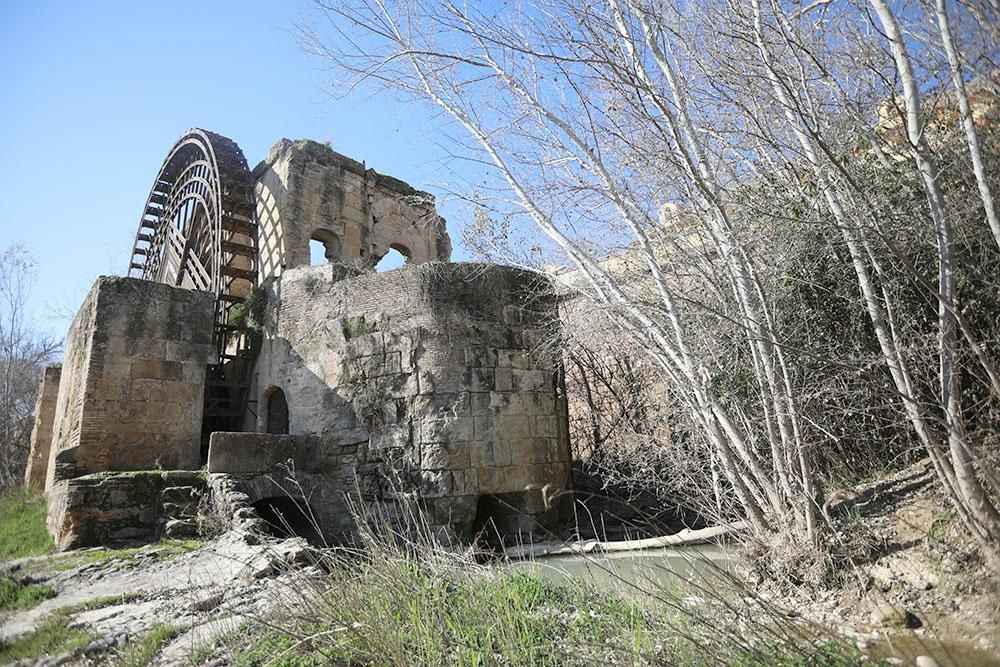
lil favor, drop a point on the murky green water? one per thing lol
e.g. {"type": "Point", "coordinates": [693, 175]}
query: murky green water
{"type": "Point", "coordinates": [947, 653]}
{"type": "Point", "coordinates": [649, 571]}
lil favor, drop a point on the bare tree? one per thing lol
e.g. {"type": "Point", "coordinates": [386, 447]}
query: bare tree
{"type": "Point", "coordinates": [23, 354]}
{"type": "Point", "coordinates": [663, 151]}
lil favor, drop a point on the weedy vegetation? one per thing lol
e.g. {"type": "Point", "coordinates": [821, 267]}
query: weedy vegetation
{"type": "Point", "coordinates": [140, 653]}
{"type": "Point", "coordinates": [56, 635]}
{"type": "Point", "coordinates": [22, 524]}
{"type": "Point", "coordinates": [15, 596]}
{"type": "Point", "coordinates": [399, 598]}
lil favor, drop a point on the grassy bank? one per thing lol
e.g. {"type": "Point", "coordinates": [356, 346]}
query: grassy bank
{"type": "Point", "coordinates": [22, 524]}
{"type": "Point", "coordinates": [391, 606]}
{"type": "Point", "coordinates": [14, 595]}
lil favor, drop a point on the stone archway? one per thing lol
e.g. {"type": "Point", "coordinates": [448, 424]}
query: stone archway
{"type": "Point", "coordinates": [289, 517]}
{"type": "Point", "coordinates": [276, 412]}
{"type": "Point", "coordinates": [332, 247]}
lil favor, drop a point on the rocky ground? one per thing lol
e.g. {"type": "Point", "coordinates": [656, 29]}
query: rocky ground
{"type": "Point", "coordinates": [200, 594]}
{"type": "Point", "coordinates": [919, 588]}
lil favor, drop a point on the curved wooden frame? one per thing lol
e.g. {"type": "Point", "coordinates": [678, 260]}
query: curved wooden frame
{"type": "Point", "coordinates": [198, 230]}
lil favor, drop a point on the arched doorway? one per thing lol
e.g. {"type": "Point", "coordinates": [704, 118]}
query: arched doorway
{"type": "Point", "coordinates": [276, 417]}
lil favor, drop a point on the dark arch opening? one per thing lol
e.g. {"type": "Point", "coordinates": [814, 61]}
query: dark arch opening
{"type": "Point", "coordinates": [288, 517]}
{"type": "Point", "coordinates": [501, 519]}
{"type": "Point", "coordinates": [277, 413]}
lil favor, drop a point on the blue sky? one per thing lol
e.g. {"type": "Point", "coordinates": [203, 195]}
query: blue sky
{"type": "Point", "coordinates": [95, 93]}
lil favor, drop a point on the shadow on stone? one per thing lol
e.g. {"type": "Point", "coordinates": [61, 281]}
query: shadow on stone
{"type": "Point", "coordinates": [287, 517]}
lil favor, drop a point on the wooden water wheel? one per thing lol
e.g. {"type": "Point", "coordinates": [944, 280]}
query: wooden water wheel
{"type": "Point", "coordinates": [198, 231]}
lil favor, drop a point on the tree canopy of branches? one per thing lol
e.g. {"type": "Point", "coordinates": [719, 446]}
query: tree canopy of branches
{"type": "Point", "coordinates": [680, 157]}
{"type": "Point", "coordinates": [23, 355]}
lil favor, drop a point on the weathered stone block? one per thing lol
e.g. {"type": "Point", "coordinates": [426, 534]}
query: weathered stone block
{"type": "Point", "coordinates": [114, 374]}
{"type": "Point", "coordinates": [396, 436]}
{"type": "Point", "coordinates": [529, 380]}
{"type": "Point", "coordinates": [465, 482]}
{"type": "Point", "coordinates": [483, 428]}
{"type": "Point", "coordinates": [547, 426]}
{"type": "Point", "coordinates": [435, 483]}
{"type": "Point", "coordinates": [479, 403]}
{"type": "Point", "coordinates": [481, 454]}
{"type": "Point", "coordinates": [110, 508]}
{"type": "Point", "coordinates": [246, 453]}
{"type": "Point", "coordinates": [41, 433]}
{"type": "Point", "coordinates": [452, 454]}
{"type": "Point", "coordinates": [504, 379]}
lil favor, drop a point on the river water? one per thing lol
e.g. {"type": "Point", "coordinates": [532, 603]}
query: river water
{"type": "Point", "coordinates": [700, 571]}
{"type": "Point", "coordinates": [648, 570]}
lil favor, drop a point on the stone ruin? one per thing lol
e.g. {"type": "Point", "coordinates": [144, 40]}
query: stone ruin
{"type": "Point", "coordinates": [228, 376]}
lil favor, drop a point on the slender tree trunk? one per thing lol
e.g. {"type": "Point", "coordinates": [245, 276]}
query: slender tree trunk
{"type": "Point", "coordinates": [968, 122]}
{"type": "Point", "coordinates": [972, 492]}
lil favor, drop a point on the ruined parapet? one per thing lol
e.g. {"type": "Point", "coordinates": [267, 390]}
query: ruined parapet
{"type": "Point", "coordinates": [41, 432]}
{"type": "Point", "coordinates": [306, 191]}
{"type": "Point", "coordinates": [268, 469]}
{"type": "Point", "coordinates": [120, 508]}
{"type": "Point", "coordinates": [437, 374]}
{"type": "Point", "coordinates": [132, 390]}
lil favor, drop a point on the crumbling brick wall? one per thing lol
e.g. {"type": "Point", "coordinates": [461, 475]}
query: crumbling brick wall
{"type": "Point", "coordinates": [132, 390]}
{"type": "Point", "coordinates": [41, 432]}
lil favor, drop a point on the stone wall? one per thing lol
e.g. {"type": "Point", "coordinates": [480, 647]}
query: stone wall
{"type": "Point", "coordinates": [443, 376]}
{"type": "Point", "coordinates": [133, 380]}
{"type": "Point", "coordinates": [133, 383]}
{"type": "Point", "coordinates": [121, 508]}
{"type": "Point", "coordinates": [316, 474]}
{"type": "Point", "coordinates": [305, 190]}
{"type": "Point", "coordinates": [41, 432]}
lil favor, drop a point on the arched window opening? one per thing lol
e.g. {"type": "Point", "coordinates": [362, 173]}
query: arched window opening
{"type": "Point", "coordinates": [395, 258]}
{"type": "Point", "coordinates": [277, 413]}
{"type": "Point", "coordinates": [289, 517]}
{"type": "Point", "coordinates": [324, 247]}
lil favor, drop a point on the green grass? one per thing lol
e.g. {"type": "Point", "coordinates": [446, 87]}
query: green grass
{"type": "Point", "coordinates": [141, 652]}
{"type": "Point", "coordinates": [56, 634]}
{"type": "Point", "coordinates": [405, 614]}
{"type": "Point", "coordinates": [52, 637]}
{"type": "Point", "coordinates": [938, 533]}
{"type": "Point", "coordinates": [71, 560]}
{"type": "Point", "coordinates": [201, 654]}
{"type": "Point", "coordinates": [99, 603]}
{"type": "Point", "coordinates": [22, 525]}
{"type": "Point", "coordinates": [217, 644]}
{"type": "Point", "coordinates": [15, 596]}
{"type": "Point", "coordinates": [393, 609]}
{"type": "Point", "coordinates": [274, 649]}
